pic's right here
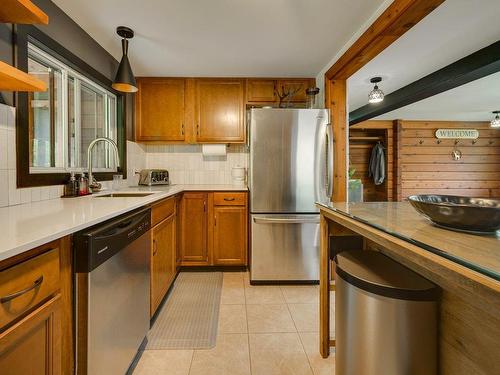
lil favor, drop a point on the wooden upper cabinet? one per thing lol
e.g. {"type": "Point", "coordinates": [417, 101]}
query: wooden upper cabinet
{"type": "Point", "coordinates": [261, 90]}
{"type": "Point", "coordinates": [160, 109]}
{"type": "Point", "coordinates": [293, 84]}
{"type": "Point", "coordinates": [194, 229]}
{"type": "Point", "coordinates": [219, 110]}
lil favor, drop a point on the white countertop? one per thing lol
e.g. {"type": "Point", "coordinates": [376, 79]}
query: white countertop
{"type": "Point", "coordinates": [26, 226]}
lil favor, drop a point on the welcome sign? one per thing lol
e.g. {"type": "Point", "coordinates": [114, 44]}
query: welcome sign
{"type": "Point", "coordinates": [457, 134]}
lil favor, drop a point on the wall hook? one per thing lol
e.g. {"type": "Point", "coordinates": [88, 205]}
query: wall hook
{"type": "Point", "coordinates": [456, 142]}
{"type": "Point", "coordinates": [474, 142]}
{"type": "Point", "coordinates": [438, 141]}
{"type": "Point", "coordinates": [421, 141]}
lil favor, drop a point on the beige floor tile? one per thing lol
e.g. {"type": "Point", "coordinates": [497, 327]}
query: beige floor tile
{"type": "Point", "coordinates": [278, 354]}
{"type": "Point", "coordinates": [233, 277]}
{"type": "Point", "coordinates": [232, 294]}
{"type": "Point", "coordinates": [306, 317]}
{"type": "Point", "coordinates": [164, 362]}
{"type": "Point", "coordinates": [229, 357]}
{"type": "Point", "coordinates": [300, 293]}
{"type": "Point", "coordinates": [269, 318]}
{"type": "Point", "coordinates": [232, 319]}
{"type": "Point", "coordinates": [320, 365]}
{"type": "Point", "coordinates": [257, 294]}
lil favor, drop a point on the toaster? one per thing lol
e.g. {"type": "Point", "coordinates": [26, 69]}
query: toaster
{"type": "Point", "coordinates": [151, 177]}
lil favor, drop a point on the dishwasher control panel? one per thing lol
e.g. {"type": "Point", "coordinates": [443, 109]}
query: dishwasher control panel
{"type": "Point", "coordinates": [95, 245]}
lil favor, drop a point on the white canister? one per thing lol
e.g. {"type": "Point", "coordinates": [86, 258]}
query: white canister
{"type": "Point", "coordinates": [238, 174]}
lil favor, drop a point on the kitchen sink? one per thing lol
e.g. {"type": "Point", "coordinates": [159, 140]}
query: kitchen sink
{"type": "Point", "coordinates": [122, 195]}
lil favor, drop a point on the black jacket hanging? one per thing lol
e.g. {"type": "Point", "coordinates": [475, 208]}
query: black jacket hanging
{"type": "Point", "coordinates": [376, 167]}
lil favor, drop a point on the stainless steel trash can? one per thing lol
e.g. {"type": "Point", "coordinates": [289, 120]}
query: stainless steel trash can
{"type": "Point", "coordinates": [385, 317]}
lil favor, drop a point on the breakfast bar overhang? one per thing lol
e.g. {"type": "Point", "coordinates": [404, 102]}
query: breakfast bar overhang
{"type": "Point", "coordinates": [465, 266]}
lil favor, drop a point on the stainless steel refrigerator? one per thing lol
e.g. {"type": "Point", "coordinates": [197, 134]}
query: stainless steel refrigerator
{"type": "Point", "coordinates": [290, 169]}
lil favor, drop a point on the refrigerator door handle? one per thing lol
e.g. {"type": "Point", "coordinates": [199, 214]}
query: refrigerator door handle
{"type": "Point", "coordinates": [329, 161]}
{"type": "Point", "coordinates": [295, 220]}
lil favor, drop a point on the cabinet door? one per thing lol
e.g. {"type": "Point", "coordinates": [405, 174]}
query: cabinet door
{"type": "Point", "coordinates": [33, 346]}
{"type": "Point", "coordinates": [261, 90]}
{"type": "Point", "coordinates": [219, 110]}
{"type": "Point", "coordinates": [159, 106]}
{"type": "Point", "coordinates": [194, 229]}
{"type": "Point", "coordinates": [163, 265]}
{"type": "Point", "coordinates": [296, 84]}
{"type": "Point", "coordinates": [230, 235]}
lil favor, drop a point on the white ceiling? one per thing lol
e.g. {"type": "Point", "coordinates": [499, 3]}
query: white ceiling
{"type": "Point", "coordinates": [224, 37]}
{"type": "Point", "coordinates": [454, 30]}
{"type": "Point", "coordinates": [473, 101]}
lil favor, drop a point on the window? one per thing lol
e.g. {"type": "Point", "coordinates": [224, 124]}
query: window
{"type": "Point", "coordinates": [64, 119]}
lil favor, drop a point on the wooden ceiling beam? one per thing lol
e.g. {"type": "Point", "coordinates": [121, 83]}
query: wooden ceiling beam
{"type": "Point", "coordinates": [396, 20]}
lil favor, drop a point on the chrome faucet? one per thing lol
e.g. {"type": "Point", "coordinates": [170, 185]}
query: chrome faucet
{"type": "Point", "coordinates": [95, 186]}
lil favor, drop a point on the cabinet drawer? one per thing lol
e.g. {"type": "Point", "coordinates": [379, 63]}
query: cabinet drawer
{"type": "Point", "coordinates": [162, 210]}
{"type": "Point", "coordinates": [230, 199]}
{"type": "Point", "coordinates": [25, 285]}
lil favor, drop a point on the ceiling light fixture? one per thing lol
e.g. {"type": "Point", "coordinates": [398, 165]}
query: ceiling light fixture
{"type": "Point", "coordinates": [495, 123]}
{"type": "Point", "coordinates": [125, 80]}
{"type": "Point", "coordinates": [376, 95]}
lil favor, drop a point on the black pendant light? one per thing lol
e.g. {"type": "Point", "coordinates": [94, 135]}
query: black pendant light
{"type": "Point", "coordinates": [125, 80]}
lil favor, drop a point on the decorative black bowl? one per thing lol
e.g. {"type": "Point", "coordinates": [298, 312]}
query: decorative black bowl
{"type": "Point", "coordinates": [459, 213]}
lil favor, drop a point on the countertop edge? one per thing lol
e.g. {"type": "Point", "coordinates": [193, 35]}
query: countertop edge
{"type": "Point", "coordinates": [145, 201]}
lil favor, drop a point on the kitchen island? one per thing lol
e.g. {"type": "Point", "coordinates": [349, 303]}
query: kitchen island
{"type": "Point", "coordinates": [465, 266]}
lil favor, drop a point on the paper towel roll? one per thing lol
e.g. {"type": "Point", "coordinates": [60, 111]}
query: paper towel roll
{"type": "Point", "coordinates": [213, 150]}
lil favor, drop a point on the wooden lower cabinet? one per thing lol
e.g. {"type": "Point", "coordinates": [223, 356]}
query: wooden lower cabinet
{"type": "Point", "coordinates": [163, 260]}
{"type": "Point", "coordinates": [33, 345]}
{"type": "Point", "coordinates": [230, 235]}
{"type": "Point", "coordinates": [214, 229]}
{"type": "Point", "coordinates": [194, 248]}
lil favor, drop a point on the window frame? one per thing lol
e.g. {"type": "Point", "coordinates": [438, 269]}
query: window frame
{"type": "Point", "coordinates": [23, 35]}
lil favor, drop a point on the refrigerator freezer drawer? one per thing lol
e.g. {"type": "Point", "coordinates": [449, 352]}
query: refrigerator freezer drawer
{"type": "Point", "coordinates": [285, 248]}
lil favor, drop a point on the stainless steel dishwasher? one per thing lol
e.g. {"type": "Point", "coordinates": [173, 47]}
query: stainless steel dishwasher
{"type": "Point", "coordinates": [112, 293]}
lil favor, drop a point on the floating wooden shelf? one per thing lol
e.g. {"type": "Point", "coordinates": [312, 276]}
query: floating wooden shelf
{"type": "Point", "coordinates": [22, 11]}
{"type": "Point", "coordinates": [12, 79]}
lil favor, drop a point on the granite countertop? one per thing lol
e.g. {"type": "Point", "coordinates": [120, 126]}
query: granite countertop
{"type": "Point", "coordinates": [27, 226]}
{"type": "Point", "coordinates": [480, 253]}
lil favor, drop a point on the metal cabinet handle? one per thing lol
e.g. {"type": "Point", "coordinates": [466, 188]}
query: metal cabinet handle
{"type": "Point", "coordinates": [229, 199]}
{"type": "Point", "coordinates": [155, 248]}
{"type": "Point", "coordinates": [10, 297]}
{"type": "Point", "coordinates": [182, 129]}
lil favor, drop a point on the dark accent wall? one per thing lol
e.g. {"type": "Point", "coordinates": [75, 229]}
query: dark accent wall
{"type": "Point", "coordinates": [71, 36]}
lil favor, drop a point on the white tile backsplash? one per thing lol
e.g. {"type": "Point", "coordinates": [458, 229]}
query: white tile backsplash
{"type": "Point", "coordinates": [187, 165]}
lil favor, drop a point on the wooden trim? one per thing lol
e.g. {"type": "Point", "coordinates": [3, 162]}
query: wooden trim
{"type": "Point", "coordinates": [396, 20]}
{"type": "Point", "coordinates": [337, 95]}
{"type": "Point", "coordinates": [324, 287]}
{"type": "Point", "coordinates": [22, 11]}
{"type": "Point", "coordinates": [67, 302]}
{"type": "Point", "coordinates": [477, 65]}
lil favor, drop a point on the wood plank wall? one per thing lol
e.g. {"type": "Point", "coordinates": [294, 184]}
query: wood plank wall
{"type": "Point", "coordinates": [425, 166]}
{"type": "Point", "coordinates": [359, 156]}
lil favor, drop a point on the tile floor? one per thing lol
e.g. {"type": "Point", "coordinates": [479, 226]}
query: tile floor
{"type": "Point", "coordinates": [263, 330]}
